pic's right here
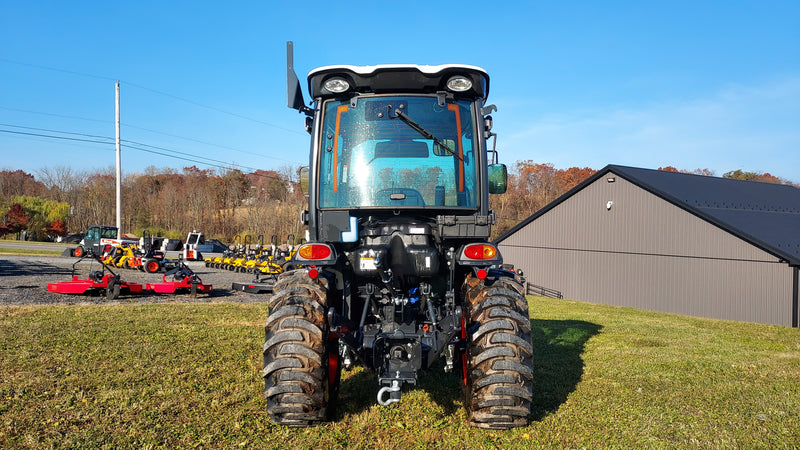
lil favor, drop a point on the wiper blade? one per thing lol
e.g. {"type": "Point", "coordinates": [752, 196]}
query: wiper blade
{"type": "Point", "coordinates": [425, 133]}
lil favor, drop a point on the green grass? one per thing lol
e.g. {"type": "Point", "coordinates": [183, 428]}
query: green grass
{"type": "Point", "coordinates": [28, 252]}
{"type": "Point", "coordinates": [188, 375]}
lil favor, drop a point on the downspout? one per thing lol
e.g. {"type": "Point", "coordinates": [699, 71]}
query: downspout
{"type": "Point", "coordinates": [795, 303]}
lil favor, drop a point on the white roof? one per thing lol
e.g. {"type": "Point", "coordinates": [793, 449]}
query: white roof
{"type": "Point", "coordinates": [367, 70]}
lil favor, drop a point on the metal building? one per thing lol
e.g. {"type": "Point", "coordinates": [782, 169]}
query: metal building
{"type": "Point", "coordinates": [665, 241]}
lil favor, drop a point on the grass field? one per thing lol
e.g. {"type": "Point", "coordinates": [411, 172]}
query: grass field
{"type": "Point", "coordinates": [188, 375]}
{"type": "Point", "coordinates": [28, 252]}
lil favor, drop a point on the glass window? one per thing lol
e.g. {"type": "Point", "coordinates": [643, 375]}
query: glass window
{"type": "Point", "coordinates": [371, 156]}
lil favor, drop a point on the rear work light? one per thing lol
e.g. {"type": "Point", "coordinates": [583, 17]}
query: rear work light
{"type": "Point", "coordinates": [337, 85]}
{"type": "Point", "coordinates": [459, 83]}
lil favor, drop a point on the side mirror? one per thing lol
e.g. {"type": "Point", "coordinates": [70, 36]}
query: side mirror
{"type": "Point", "coordinates": [498, 179]}
{"type": "Point", "coordinates": [304, 179]}
{"type": "Point", "coordinates": [294, 94]}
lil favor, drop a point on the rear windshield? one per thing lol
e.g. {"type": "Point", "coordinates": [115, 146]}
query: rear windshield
{"type": "Point", "coordinates": [372, 158]}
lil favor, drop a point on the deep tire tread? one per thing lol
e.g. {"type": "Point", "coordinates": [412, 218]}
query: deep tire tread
{"type": "Point", "coordinates": [295, 356]}
{"type": "Point", "coordinates": [500, 354]}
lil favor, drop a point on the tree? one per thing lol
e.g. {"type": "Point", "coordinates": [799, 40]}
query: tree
{"type": "Point", "coordinates": [18, 182]}
{"type": "Point", "coordinates": [40, 214]}
{"type": "Point", "coordinates": [16, 219]}
{"type": "Point", "coordinates": [704, 172]}
{"type": "Point", "coordinates": [738, 174]}
{"type": "Point", "coordinates": [57, 228]}
{"type": "Point", "coordinates": [573, 176]}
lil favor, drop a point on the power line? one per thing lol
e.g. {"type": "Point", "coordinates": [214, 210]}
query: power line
{"type": "Point", "coordinates": [205, 143]}
{"type": "Point", "coordinates": [127, 144]}
{"type": "Point", "coordinates": [227, 166]}
{"type": "Point", "coordinates": [66, 138]}
{"type": "Point", "coordinates": [127, 125]}
{"type": "Point", "coordinates": [56, 131]}
{"type": "Point", "coordinates": [56, 69]}
{"type": "Point", "coordinates": [213, 108]}
{"type": "Point", "coordinates": [55, 115]}
{"type": "Point", "coordinates": [183, 158]}
{"type": "Point", "coordinates": [192, 102]}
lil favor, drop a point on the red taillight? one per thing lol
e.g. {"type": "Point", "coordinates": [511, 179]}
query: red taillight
{"type": "Point", "coordinates": [480, 251]}
{"type": "Point", "coordinates": [314, 251]}
{"type": "Point", "coordinates": [481, 274]}
{"type": "Point", "coordinates": [313, 273]}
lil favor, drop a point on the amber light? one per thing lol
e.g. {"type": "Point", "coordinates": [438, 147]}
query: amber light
{"type": "Point", "coordinates": [314, 251]}
{"type": "Point", "coordinates": [480, 251]}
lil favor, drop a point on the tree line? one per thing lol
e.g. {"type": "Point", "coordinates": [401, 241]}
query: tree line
{"type": "Point", "coordinates": [225, 203]}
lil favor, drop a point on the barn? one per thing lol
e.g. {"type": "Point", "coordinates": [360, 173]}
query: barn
{"type": "Point", "coordinates": [665, 241]}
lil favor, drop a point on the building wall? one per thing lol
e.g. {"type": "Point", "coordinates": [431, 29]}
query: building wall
{"type": "Point", "coordinates": [646, 253]}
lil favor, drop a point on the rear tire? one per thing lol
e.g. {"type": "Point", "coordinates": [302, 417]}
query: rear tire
{"type": "Point", "coordinates": [300, 365]}
{"type": "Point", "coordinates": [499, 358]}
{"type": "Point", "coordinates": [151, 266]}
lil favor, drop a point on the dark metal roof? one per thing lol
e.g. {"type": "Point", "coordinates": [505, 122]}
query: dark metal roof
{"type": "Point", "coordinates": [398, 78]}
{"type": "Point", "coordinates": [765, 214]}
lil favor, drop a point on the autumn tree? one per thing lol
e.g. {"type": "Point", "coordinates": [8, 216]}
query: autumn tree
{"type": "Point", "coordinates": [16, 220]}
{"type": "Point", "coordinates": [704, 172]}
{"type": "Point", "coordinates": [18, 182]}
{"type": "Point", "coordinates": [40, 213]}
{"type": "Point", "coordinates": [56, 228]}
{"type": "Point", "coordinates": [531, 186]}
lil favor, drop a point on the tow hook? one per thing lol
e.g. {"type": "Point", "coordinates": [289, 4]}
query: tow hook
{"type": "Point", "coordinates": [393, 391]}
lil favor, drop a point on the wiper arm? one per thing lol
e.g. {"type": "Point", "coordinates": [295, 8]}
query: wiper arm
{"type": "Point", "coordinates": [425, 133]}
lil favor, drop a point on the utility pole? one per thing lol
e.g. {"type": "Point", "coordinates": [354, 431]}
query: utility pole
{"type": "Point", "coordinates": [119, 169]}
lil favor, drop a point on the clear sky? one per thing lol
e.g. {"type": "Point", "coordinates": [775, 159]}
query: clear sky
{"type": "Point", "coordinates": [692, 84]}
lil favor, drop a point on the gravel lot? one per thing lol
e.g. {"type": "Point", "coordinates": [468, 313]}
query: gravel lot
{"type": "Point", "coordinates": [23, 281]}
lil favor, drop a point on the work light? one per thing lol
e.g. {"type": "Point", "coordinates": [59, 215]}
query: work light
{"type": "Point", "coordinates": [337, 85]}
{"type": "Point", "coordinates": [459, 83]}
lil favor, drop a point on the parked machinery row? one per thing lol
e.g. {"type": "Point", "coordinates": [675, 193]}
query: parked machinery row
{"type": "Point", "coordinates": [244, 256]}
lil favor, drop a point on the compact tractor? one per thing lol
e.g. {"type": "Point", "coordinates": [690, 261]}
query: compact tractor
{"type": "Point", "coordinates": [398, 275]}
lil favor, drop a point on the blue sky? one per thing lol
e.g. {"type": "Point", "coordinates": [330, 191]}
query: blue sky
{"type": "Point", "coordinates": [692, 84]}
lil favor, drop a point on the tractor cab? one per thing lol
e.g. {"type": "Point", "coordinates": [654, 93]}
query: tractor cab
{"type": "Point", "coordinates": [391, 138]}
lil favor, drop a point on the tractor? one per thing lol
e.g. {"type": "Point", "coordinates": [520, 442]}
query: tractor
{"type": "Point", "coordinates": [398, 274]}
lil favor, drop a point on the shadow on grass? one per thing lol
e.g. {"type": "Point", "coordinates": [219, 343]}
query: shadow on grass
{"type": "Point", "coordinates": [359, 392]}
{"type": "Point", "coordinates": [557, 362]}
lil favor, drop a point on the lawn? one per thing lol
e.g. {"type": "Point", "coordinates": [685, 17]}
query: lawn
{"type": "Point", "coordinates": [28, 252]}
{"type": "Point", "coordinates": [188, 375]}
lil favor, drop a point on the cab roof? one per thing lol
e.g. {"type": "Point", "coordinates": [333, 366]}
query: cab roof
{"type": "Point", "coordinates": [399, 78]}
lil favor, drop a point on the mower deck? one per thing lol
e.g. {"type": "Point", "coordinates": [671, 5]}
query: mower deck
{"type": "Point", "coordinates": [186, 284]}
{"type": "Point", "coordinates": [76, 286]}
{"type": "Point", "coordinates": [254, 287]}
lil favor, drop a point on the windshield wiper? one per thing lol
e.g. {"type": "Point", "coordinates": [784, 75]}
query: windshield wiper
{"type": "Point", "coordinates": [425, 133]}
